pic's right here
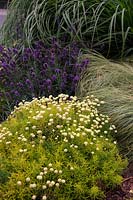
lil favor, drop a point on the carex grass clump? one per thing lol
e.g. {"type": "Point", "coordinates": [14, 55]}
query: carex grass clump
{"type": "Point", "coordinates": [58, 148]}
{"type": "Point", "coordinates": [112, 82]}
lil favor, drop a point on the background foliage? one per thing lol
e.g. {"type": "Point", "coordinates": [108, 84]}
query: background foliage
{"type": "Point", "coordinates": [106, 26]}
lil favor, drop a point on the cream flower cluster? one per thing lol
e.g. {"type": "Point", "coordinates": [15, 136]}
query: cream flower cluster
{"type": "Point", "coordinates": [41, 179]}
{"type": "Point", "coordinates": [73, 124]}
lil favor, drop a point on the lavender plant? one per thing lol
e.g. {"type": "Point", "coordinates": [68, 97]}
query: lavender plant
{"type": "Point", "coordinates": [37, 72]}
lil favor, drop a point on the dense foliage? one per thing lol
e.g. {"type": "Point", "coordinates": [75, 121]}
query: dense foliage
{"type": "Point", "coordinates": [106, 26]}
{"type": "Point", "coordinates": [58, 148]}
{"type": "Point", "coordinates": [37, 72]}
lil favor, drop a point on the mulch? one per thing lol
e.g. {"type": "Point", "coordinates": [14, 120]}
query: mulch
{"type": "Point", "coordinates": [125, 191]}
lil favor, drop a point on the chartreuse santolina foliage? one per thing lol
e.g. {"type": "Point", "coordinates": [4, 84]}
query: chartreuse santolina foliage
{"type": "Point", "coordinates": [58, 148]}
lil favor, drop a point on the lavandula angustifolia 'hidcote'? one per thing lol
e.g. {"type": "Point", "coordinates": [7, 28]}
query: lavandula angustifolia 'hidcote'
{"type": "Point", "coordinates": [37, 72]}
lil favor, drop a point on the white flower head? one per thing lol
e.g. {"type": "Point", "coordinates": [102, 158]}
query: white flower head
{"type": "Point", "coordinates": [34, 197]}
{"type": "Point", "coordinates": [85, 143]}
{"type": "Point", "coordinates": [44, 197]}
{"type": "Point", "coordinates": [50, 164]}
{"type": "Point", "coordinates": [57, 184]}
{"type": "Point", "coordinates": [28, 179]}
{"type": "Point", "coordinates": [51, 169]}
{"type": "Point", "coordinates": [56, 171]}
{"type": "Point", "coordinates": [19, 183]}
{"type": "Point", "coordinates": [39, 177]}
{"type": "Point", "coordinates": [44, 187]}
{"type": "Point", "coordinates": [63, 181]}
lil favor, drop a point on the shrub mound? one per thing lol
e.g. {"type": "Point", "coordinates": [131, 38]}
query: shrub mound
{"type": "Point", "coordinates": [113, 83]}
{"type": "Point", "coordinates": [58, 148]}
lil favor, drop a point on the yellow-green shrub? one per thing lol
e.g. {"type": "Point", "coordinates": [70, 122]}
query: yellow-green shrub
{"type": "Point", "coordinates": [58, 148]}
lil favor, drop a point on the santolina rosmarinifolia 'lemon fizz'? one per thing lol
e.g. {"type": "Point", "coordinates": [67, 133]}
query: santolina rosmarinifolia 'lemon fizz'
{"type": "Point", "coordinates": [58, 148]}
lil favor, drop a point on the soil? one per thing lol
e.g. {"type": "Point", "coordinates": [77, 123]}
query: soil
{"type": "Point", "coordinates": [125, 191]}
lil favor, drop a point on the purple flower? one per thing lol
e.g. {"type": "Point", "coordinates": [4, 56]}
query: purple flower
{"type": "Point", "coordinates": [57, 70]}
{"type": "Point", "coordinates": [15, 50]}
{"type": "Point", "coordinates": [76, 79]}
{"type": "Point", "coordinates": [48, 82]}
{"type": "Point", "coordinates": [49, 88]}
{"type": "Point", "coordinates": [53, 77]}
{"type": "Point", "coordinates": [11, 84]}
{"type": "Point", "coordinates": [16, 93]}
{"type": "Point", "coordinates": [20, 85]}
{"type": "Point", "coordinates": [45, 65]}
{"type": "Point", "coordinates": [28, 81]}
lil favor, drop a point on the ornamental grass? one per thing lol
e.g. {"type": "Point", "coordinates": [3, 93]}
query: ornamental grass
{"type": "Point", "coordinates": [113, 83]}
{"type": "Point", "coordinates": [58, 148]}
{"type": "Point", "coordinates": [106, 26]}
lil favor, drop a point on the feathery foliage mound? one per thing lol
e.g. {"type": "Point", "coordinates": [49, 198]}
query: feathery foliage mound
{"type": "Point", "coordinates": [113, 83]}
{"type": "Point", "coordinates": [58, 148]}
{"type": "Point", "coordinates": [104, 25]}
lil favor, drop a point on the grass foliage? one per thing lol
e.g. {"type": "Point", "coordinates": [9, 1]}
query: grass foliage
{"type": "Point", "coordinates": [113, 83]}
{"type": "Point", "coordinates": [103, 25]}
{"type": "Point", "coordinates": [58, 148]}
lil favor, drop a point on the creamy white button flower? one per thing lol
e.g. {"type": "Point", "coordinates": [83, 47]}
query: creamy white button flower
{"type": "Point", "coordinates": [44, 197]}
{"type": "Point", "coordinates": [59, 180]}
{"type": "Point", "coordinates": [28, 179]}
{"type": "Point", "coordinates": [34, 197]}
{"type": "Point", "coordinates": [56, 171]}
{"type": "Point", "coordinates": [48, 182]}
{"type": "Point", "coordinates": [33, 127]}
{"type": "Point", "coordinates": [85, 143]}
{"type": "Point", "coordinates": [20, 150]}
{"type": "Point", "coordinates": [63, 181]}
{"type": "Point", "coordinates": [60, 171]}
{"type": "Point", "coordinates": [26, 128]}
{"type": "Point", "coordinates": [44, 187]}
{"type": "Point", "coordinates": [24, 139]}
{"type": "Point", "coordinates": [8, 142]}
{"type": "Point", "coordinates": [39, 132]}
{"type": "Point", "coordinates": [19, 183]}
{"type": "Point", "coordinates": [105, 132]}
{"type": "Point", "coordinates": [50, 164]}
{"type": "Point", "coordinates": [39, 177]}
{"type": "Point", "coordinates": [51, 169]}
{"type": "Point", "coordinates": [41, 173]}
{"type": "Point", "coordinates": [32, 185]}
{"type": "Point", "coordinates": [71, 168]}
{"type": "Point", "coordinates": [57, 184]}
